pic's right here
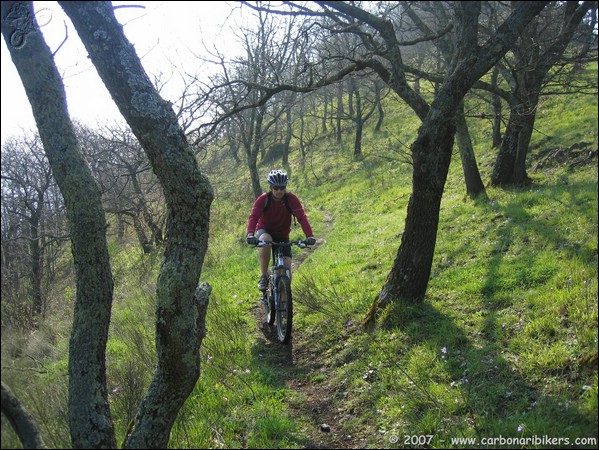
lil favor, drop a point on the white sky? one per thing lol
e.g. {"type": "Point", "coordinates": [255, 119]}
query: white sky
{"type": "Point", "coordinates": [164, 34]}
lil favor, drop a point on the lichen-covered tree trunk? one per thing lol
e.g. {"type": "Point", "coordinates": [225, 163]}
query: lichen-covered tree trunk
{"type": "Point", "coordinates": [506, 157]}
{"type": "Point", "coordinates": [181, 303]}
{"type": "Point", "coordinates": [89, 412]}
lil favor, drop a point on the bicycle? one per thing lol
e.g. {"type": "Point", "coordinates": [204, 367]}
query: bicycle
{"type": "Point", "coordinates": [276, 299]}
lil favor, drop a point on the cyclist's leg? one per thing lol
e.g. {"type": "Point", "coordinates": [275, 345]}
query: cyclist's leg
{"type": "Point", "coordinates": [264, 252]}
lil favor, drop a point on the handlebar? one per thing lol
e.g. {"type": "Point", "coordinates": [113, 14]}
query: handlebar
{"type": "Point", "coordinates": [300, 244]}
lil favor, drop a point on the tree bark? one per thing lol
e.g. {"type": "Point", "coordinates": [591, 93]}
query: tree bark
{"type": "Point", "coordinates": [21, 421]}
{"type": "Point", "coordinates": [379, 107]}
{"type": "Point", "coordinates": [181, 303]}
{"type": "Point", "coordinates": [254, 149]}
{"type": "Point", "coordinates": [288, 134]}
{"type": "Point", "coordinates": [474, 183]}
{"type": "Point", "coordinates": [413, 262]}
{"type": "Point", "coordinates": [497, 112]}
{"type": "Point", "coordinates": [89, 412]}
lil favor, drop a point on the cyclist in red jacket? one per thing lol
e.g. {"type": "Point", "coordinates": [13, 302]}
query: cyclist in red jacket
{"type": "Point", "coordinates": [270, 220]}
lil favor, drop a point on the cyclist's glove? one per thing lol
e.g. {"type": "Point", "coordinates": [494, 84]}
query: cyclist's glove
{"type": "Point", "coordinates": [310, 241]}
{"type": "Point", "coordinates": [251, 239]}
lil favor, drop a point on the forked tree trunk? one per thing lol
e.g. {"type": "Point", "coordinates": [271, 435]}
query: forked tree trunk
{"type": "Point", "coordinates": [534, 65]}
{"type": "Point", "coordinates": [181, 304]}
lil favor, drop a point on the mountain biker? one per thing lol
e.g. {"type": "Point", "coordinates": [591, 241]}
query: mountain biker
{"type": "Point", "coordinates": [270, 220]}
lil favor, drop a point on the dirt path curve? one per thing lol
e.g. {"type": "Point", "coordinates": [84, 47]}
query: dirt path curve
{"type": "Point", "coordinates": [310, 401]}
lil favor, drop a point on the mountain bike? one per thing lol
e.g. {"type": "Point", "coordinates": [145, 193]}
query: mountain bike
{"type": "Point", "coordinates": [276, 299]}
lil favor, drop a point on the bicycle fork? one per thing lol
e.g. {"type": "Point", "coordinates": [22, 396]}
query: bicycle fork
{"type": "Point", "coordinates": [279, 271]}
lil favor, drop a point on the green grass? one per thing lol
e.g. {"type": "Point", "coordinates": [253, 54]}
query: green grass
{"type": "Point", "coordinates": [505, 343]}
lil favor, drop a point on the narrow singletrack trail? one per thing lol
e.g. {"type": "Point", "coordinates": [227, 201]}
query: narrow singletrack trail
{"type": "Point", "coordinates": [310, 402]}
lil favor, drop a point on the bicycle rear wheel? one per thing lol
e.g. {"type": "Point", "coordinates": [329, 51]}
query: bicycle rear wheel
{"type": "Point", "coordinates": [284, 313]}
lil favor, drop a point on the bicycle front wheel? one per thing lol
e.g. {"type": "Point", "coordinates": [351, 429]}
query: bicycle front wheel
{"type": "Point", "coordinates": [284, 310]}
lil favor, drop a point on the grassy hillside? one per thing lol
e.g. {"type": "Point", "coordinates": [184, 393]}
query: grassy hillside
{"type": "Point", "coordinates": [504, 345]}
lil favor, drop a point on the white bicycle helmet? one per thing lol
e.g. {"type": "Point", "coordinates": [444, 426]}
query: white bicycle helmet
{"type": "Point", "coordinates": [277, 177]}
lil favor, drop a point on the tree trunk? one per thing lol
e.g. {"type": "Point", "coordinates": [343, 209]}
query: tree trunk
{"type": "Point", "coordinates": [144, 211]}
{"type": "Point", "coordinates": [497, 115]}
{"type": "Point", "coordinates": [36, 267]}
{"type": "Point", "coordinates": [302, 143]}
{"type": "Point", "coordinates": [520, 177]}
{"type": "Point", "coordinates": [89, 412]}
{"type": "Point", "coordinates": [358, 139]}
{"type": "Point", "coordinates": [288, 135]}
{"type": "Point", "coordinates": [20, 419]}
{"type": "Point", "coordinates": [181, 304]}
{"type": "Point", "coordinates": [325, 113]}
{"type": "Point", "coordinates": [531, 69]}
{"type": "Point", "coordinates": [474, 183]}
{"type": "Point", "coordinates": [408, 279]}
{"type": "Point", "coordinates": [254, 148]}
{"type": "Point", "coordinates": [355, 113]}
{"type": "Point", "coordinates": [144, 243]}
{"type": "Point", "coordinates": [379, 108]}
{"type": "Point", "coordinates": [506, 157]}
{"type": "Point", "coordinates": [340, 113]}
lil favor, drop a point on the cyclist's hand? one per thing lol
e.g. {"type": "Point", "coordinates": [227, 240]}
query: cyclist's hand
{"type": "Point", "coordinates": [310, 241]}
{"type": "Point", "coordinates": [251, 239]}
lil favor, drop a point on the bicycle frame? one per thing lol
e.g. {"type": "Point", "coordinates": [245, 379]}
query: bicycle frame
{"type": "Point", "coordinates": [278, 268]}
{"type": "Point", "coordinates": [277, 299]}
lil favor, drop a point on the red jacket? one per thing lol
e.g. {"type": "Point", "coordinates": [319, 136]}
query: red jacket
{"type": "Point", "coordinates": [277, 218]}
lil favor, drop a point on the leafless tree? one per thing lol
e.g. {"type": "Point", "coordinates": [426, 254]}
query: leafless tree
{"type": "Point", "coordinates": [363, 103]}
{"type": "Point", "coordinates": [538, 60]}
{"type": "Point", "coordinates": [33, 230]}
{"type": "Point", "coordinates": [241, 83]}
{"type": "Point", "coordinates": [130, 190]}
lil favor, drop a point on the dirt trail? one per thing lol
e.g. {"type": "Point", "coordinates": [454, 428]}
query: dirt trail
{"type": "Point", "coordinates": [310, 401]}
